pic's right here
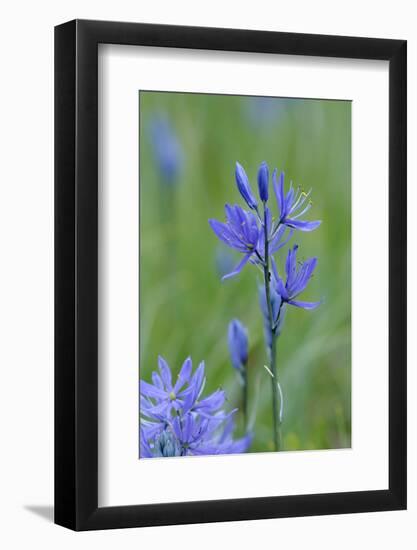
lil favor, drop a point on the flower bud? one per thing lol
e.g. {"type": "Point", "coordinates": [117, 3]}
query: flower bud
{"type": "Point", "coordinates": [263, 180]}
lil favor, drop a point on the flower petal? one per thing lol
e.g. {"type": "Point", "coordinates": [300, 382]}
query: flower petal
{"type": "Point", "coordinates": [303, 276]}
{"type": "Point", "coordinates": [302, 225]}
{"type": "Point", "coordinates": [165, 373]}
{"type": "Point", "coordinates": [151, 391]}
{"type": "Point", "coordinates": [184, 375]}
{"type": "Point", "coordinates": [279, 191]}
{"type": "Point", "coordinates": [274, 268]}
{"type": "Point", "coordinates": [239, 267]}
{"type": "Point", "coordinates": [243, 185]}
{"type": "Point", "coordinates": [291, 265]}
{"type": "Point", "coordinates": [281, 289]}
{"type": "Point", "coordinates": [187, 428]}
{"type": "Point", "coordinates": [157, 380]}
{"type": "Point", "coordinates": [222, 232]}
{"type": "Point", "coordinates": [212, 402]}
{"type": "Point", "coordinates": [176, 427]}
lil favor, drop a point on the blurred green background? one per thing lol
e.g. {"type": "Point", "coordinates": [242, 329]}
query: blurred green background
{"type": "Point", "coordinates": [185, 308]}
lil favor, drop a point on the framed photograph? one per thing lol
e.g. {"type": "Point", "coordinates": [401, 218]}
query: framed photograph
{"type": "Point", "coordinates": [230, 254]}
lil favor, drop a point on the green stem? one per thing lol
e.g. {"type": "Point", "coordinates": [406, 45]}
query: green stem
{"type": "Point", "coordinates": [272, 366]}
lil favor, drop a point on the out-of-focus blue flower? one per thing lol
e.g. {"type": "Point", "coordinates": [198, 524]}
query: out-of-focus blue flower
{"type": "Point", "coordinates": [292, 205]}
{"type": "Point", "coordinates": [296, 281]}
{"type": "Point", "coordinates": [184, 423]}
{"type": "Point", "coordinates": [240, 232]}
{"type": "Point", "coordinates": [238, 344]}
{"type": "Point", "coordinates": [166, 148]}
{"type": "Point", "coordinates": [244, 187]}
{"type": "Point", "coordinates": [263, 181]}
{"type": "Point", "coordinates": [265, 112]}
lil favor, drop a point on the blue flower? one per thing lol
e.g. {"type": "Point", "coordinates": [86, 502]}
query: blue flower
{"type": "Point", "coordinates": [162, 396]}
{"type": "Point", "coordinates": [187, 423]}
{"type": "Point", "coordinates": [263, 181]}
{"type": "Point", "coordinates": [296, 280]}
{"type": "Point", "coordinates": [243, 233]}
{"type": "Point", "coordinates": [292, 205]}
{"type": "Point", "coordinates": [238, 344]}
{"type": "Point", "coordinates": [166, 147]}
{"type": "Point", "coordinates": [240, 232]}
{"type": "Point", "coordinates": [264, 113]}
{"type": "Point", "coordinates": [162, 399]}
{"type": "Point", "coordinates": [243, 185]}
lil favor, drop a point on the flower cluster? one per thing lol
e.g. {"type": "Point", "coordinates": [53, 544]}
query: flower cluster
{"type": "Point", "coordinates": [176, 420]}
{"type": "Point", "coordinates": [248, 232]}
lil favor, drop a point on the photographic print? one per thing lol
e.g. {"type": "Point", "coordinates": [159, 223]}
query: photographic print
{"type": "Point", "coordinates": [245, 274]}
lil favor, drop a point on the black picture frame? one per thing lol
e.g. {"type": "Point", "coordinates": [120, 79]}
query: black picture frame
{"type": "Point", "coordinates": [76, 273]}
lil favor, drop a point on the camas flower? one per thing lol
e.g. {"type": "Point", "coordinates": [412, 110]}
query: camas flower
{"type": "Point", "coordinates": [240, 232]}
{"type": "Point", "coordinates": [296, 280]}
{"type": "Point", "coordinates": [238, 344]}
{"type": "Point", "coordinates": [162, 396]}
{"type": "Point", "coordinates": [177, 421]}
{"type": "Point", "coordinates": [292, 205]}
{"type": "Point", "coordinates": [244, 231]}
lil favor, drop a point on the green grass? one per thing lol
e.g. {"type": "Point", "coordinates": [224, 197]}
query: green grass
{"type": "Point", "coordinates": [185, 308]}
